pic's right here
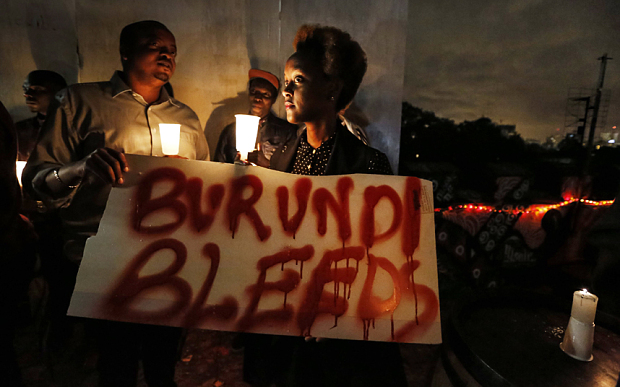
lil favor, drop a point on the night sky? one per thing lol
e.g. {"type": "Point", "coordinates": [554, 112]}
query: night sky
{"type": "Point", "coordinates": [513, 62]}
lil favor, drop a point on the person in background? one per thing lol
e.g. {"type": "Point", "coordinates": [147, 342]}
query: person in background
{"type": "Point", "coordinates": [263, 88]}
{"type": "Point", "coordinates": [39, 87]}
{"type": "Point", "coordinates": [320, 79]}
{"type": "Point", "coordinates": [18, 255]}
{"type": "Point", "coordinates": [80, 155]}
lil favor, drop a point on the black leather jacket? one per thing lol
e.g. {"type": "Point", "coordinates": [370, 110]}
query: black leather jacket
{"type": "Point", "coordinates": [349, 155]}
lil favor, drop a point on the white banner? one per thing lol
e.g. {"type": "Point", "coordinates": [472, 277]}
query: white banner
{"type": "Point", "coordinates": [237, 248]}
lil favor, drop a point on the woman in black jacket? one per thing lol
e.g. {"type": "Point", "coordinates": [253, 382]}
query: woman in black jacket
{"type": "Point", "coordinates": [320, 79]}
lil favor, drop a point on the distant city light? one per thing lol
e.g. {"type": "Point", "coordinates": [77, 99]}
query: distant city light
{"type": "Point", "coordinates": [416, 156]}
{"type": "Point", "coordinates": [613, 127]}
{"type": "Point", "coordinates": [532, 209]}
{"type": "Point", "coordinates": [611, 141]}
{"type": "Point", "coordinates": [598, 147]}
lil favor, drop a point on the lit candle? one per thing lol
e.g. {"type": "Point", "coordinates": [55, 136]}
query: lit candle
{"type": "Point", "coordinates": [579, 335]}
{"type": "Point", "coordinates": [19, 168]}
{"type": "Point", "coordinates": [170, 135]}
{"type": "Point", "coordinates": [584, 306]}
{"type": "Point", "coordinates": [247, 128]}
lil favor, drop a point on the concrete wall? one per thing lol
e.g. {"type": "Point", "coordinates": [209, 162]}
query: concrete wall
{"type": "Point", "coordinates": [218, 41]}
{"type": "Point", "coordinates": [35, 34]}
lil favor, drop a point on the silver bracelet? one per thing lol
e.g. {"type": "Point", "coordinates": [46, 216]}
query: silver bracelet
{"type": "Point", "coordinates": [62, 182]}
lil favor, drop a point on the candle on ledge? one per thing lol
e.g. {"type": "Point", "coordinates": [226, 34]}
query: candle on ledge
{"type": "Point", "coordinates": [246, 130]}
{"type": "Point", "coordinates": [170, 135]}
{"type": "Point", "coordinates": [579, 335]}
{"type": "Point", "coordinates": [584, 306]}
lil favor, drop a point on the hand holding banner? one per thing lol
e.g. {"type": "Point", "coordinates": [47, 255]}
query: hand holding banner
{"type": "Point", "coordinates": [237, 248]}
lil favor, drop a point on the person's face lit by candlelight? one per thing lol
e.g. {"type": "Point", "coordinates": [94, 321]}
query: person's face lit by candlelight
{"type": "Point", "coordinates": [38, 97]}
{"type": "Point", "coordinates": [262, 96]}
{"type": "Point", "coordinates": [152, 59]}
{"type": "Point", "coordinates": [39, 89]}
{"type": "Point", "coordinates": [308, 95]}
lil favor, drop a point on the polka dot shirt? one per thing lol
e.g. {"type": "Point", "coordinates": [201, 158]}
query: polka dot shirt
{"type": "Point", "coordinates": [379, 164]}
{"type": "Point", "coordinates": [311, 161]}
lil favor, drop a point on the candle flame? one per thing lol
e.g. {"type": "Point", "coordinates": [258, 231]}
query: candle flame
{"type": "Point", "coordinates": [19, 168]}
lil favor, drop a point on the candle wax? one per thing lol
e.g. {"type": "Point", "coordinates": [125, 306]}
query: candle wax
{"type": "Point", "coordinates": [170, 135]}
{"type": "Point", "coordinates": [584, 306]}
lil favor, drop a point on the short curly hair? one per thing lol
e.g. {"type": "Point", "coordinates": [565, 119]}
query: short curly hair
{"type": "Point", "coordinates": [340, 57]}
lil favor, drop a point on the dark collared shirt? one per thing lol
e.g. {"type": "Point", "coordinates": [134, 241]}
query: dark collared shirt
{"type": "Point", "coordinates": [311, 161]}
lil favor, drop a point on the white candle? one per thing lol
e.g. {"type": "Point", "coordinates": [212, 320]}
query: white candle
{"type": "Point", "coordinates": [247, 128]}
{"type": "Point", "coordinates": [170, 135]}
{"type": "Point", "coordinates": [584, 306]}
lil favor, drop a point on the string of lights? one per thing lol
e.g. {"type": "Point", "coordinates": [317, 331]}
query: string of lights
{"type": "Point", "coordinates": [534, 208]}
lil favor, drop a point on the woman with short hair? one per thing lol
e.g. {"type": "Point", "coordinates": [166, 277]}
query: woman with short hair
{"type": "Point", "coordinates": [320, 79]}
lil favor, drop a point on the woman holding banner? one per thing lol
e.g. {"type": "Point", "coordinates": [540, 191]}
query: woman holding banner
{"type": "Point", "coordinates": [320, 79]}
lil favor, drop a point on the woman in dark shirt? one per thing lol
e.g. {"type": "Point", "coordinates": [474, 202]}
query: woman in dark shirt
{"type": "Point", "coordinates": [320, 79]}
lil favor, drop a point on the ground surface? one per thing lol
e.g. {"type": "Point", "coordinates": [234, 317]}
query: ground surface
{"type": "Point", "coordinates": [206, 359]}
